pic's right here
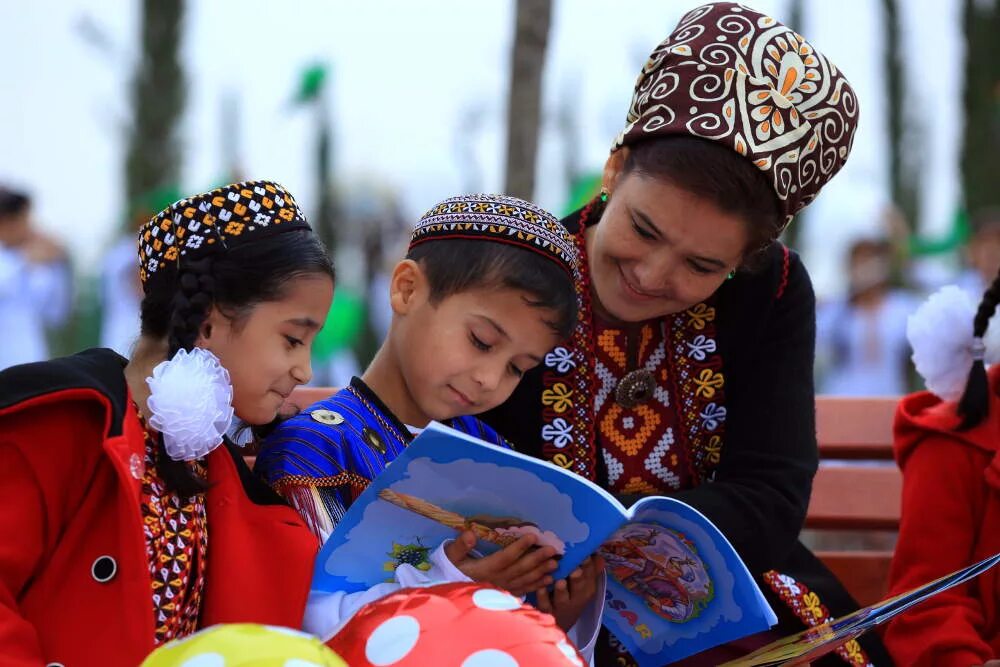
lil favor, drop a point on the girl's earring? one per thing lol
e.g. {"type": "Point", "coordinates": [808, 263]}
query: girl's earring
{"type": "Point", "coordinates": [604, 195]}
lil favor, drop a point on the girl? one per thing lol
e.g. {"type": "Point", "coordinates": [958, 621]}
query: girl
{"type": "Point", "coordinates": [946, 443]}
{"type": "Point", "coordinates": [124, 524]}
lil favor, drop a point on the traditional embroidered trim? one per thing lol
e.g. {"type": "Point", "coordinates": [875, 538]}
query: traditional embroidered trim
{"type": "Point", "coordinates": [176, 538]}
{"type": "Point", "coordinates": [785, 262]}
{"type": "Point", "coordinates": [699, 387]}
{"type": "Point", "coordinates": [809, 609]}
{"type": "Point", "coordinates": [345, 478]}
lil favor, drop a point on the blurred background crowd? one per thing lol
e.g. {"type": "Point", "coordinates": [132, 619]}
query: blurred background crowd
{"type": "Point", "coordinates": [371, 112]}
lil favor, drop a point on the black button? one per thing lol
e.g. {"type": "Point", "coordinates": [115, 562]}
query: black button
{"type": "Point", "coordinates": [104, 569]}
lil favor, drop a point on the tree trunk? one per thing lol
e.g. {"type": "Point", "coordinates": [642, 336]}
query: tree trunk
{"type": "Point", "coordinates": [158, 95]}
{"type": "Point", "coordinates": [904, 178]}
{"type": "Point", "coordinates": [980, 160]}
{"type": "Point", "coordinates": [531, 36]}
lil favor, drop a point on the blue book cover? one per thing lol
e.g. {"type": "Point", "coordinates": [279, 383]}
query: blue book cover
{"type": "Point", "coordinates": [675, 585]}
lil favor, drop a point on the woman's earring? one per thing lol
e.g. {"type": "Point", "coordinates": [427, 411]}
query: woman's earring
{"type": "Point", "coordinates": [604, 195]}
{"type": "Point", "coordinates": [731, 275]}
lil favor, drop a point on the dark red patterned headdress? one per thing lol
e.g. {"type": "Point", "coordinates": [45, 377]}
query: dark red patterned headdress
{"type": "Point", "coordinates": [196, 226]}
{"type": "Point", "coordinates": [728, 73]}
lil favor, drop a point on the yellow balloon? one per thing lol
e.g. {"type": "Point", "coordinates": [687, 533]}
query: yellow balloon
{"type": "Point", "coordinates": [244, 645]}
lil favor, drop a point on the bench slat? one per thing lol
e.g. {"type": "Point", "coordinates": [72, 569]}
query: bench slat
{"type": "Point", "coordinates": [853, 496]}
{"type": "Point", "coordinates": [855, 428]}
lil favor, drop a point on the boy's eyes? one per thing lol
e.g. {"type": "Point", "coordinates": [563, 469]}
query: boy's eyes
{"type": "Point", "coordinates": [478, 342]}
{"type": "Point", "coordinates": [483, 346]}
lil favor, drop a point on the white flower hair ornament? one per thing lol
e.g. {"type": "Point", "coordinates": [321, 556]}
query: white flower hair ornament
{"type": "Point", "coordinates": [944, 348]}
{"type": "Point", "coordinates": [191, 401]}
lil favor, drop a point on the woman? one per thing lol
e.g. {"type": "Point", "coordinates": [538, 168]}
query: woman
{"type": "Point", "coordinates": [124, 524]}
{"type": "Point", "coordinates": [690, 371]}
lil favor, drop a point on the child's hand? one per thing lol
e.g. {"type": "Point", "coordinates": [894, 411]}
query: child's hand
{"type": "Point", "coordinates": [569, 596]}
{"type": "Point", "coordinates": [516, 568]}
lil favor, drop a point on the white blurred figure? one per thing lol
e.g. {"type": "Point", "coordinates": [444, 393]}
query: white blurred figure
{"type": "Point", "coordinates": [35, 283]}
{"type": "Point", "coordinates": [861, 346]}
{"type": "Point", "coordinates": [121, 294]}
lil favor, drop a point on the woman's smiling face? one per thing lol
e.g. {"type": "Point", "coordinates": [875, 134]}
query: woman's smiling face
{"type": "Point", "coordinates": [658, 248]}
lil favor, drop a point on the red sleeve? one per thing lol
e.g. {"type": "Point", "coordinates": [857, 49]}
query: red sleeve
{"type": "Point", "coordinates": [943, 497]}
{"type": "Point", "coordinates": [22, 519]}
{"type": "Point", "coordinates": [43, 452]}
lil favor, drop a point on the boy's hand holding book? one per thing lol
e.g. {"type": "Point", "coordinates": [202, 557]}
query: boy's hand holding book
{"type": "Point", "coordinates": [570, 596]}
{"type": "Point", "coordinates": [519, 567]}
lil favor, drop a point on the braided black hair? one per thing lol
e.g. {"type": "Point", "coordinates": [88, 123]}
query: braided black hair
{"type": "Point", "coordinates": [974, 406]}
{"type": "Point", "coordinates": [177, 303]}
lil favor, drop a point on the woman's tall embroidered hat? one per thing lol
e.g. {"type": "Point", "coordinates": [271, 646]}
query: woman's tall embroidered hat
{"type": "Point", "coordinates": [502, 219]}
{"type": "Point", "coordinates": [728, 73]}
{"type": "Point", "coordinates": [195, 227]}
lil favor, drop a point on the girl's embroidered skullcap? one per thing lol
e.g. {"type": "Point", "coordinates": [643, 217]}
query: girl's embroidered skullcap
{"type": "Point", "coordinates": [195, 227]}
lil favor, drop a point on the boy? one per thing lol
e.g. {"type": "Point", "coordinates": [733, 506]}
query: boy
{"type": "Point", "coordinates": [485, 291]}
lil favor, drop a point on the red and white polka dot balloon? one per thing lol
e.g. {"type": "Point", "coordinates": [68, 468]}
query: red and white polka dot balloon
{"type": "Point", "coordinates": [453, 625]}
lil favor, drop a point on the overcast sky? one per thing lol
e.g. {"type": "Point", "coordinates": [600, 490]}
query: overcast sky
{"type": "Point", "coordinates": [407, 79]}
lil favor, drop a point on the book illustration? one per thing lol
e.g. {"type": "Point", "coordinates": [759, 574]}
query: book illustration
{"type": "Point", "coordinates": [501, 531]}
{"type": "Point", "coordinates": [662, 567]}
{"type": "Point", "coordinates": [416, 555]}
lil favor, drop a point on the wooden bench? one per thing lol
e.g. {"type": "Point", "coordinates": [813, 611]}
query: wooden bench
{"type": "Point", "coordinates": [856, 493]}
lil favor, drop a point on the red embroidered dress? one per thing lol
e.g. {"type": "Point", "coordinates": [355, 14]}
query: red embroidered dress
{"type": "Point", "coordinates": [177, 545]}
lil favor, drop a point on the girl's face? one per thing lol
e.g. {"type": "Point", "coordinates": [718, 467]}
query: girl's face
{"type": "Point", "coordinates": [267, 352]}
{"type": "Point", "coordinates": [658, 248]}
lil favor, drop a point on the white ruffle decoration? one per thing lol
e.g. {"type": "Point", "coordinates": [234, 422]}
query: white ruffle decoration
{"type": "Point", "coordinates": [940, 333]}
{"type": "Point", "coordinates": [191, 401]}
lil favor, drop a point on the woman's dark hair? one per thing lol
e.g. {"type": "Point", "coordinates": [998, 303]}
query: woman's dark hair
{"type": "Point", "coordinates": [458, 265]}
{"type": "Point", "coordinates": [716, 173]}
{"type": "Point", "coordinates": [974, 406]}
{"type": "Point", "coordinates": [234, 281]}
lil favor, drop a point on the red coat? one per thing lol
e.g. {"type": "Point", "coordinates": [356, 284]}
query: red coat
{"type": "Point", "coordinates": [951, 518]}
{"type": "Point", "coordinates": [70, 500]}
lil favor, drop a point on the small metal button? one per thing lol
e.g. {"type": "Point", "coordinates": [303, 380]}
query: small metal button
{"type": "Point", "coordinates": [135, 466]}
{"type": "Point", "coordinates": [104, 569]}
{"type": "Point", "coordinates": [328, 417]}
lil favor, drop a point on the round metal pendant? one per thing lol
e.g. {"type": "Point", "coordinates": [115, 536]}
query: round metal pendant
{"type": "Point", "coordinates": [635, 388]}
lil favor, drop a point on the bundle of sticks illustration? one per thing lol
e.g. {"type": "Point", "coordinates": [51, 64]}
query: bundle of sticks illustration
{"type": "Point", "coordinates": [501, 531]}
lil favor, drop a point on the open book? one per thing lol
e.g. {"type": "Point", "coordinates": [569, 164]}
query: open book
{"type": "Point", "coordinates": [806, 646]}
{"type": "Point", "coordinates": [675, 584]}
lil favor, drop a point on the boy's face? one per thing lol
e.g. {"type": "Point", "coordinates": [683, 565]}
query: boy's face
{"type": "Point", "coordinates": [466, 354]}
